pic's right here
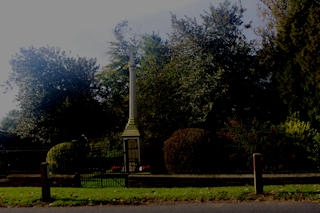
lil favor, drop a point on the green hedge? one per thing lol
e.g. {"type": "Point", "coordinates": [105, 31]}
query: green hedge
{"type": "Point", "coordinates": [65, 158]}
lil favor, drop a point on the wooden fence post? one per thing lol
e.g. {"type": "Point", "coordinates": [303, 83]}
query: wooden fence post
{"type": "Point", "coordinates": [126, 180]}
{"type": "Point", "coordinates": [257, 171]}
{"type": "Point", "coordinates": [45, 182]}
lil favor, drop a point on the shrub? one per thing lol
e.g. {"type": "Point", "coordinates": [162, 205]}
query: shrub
{"type": "Point", "coordinates": [291, 145]}
{"type": "Point", "coordinates": [100, 156]}
{"type": "Point", "coordinates": [186, 151]}
{"type": "Point", "coordinates": [242, 140]}
{"type": "Point", "coordinates": [98, 150]}
{"type": "Point", "coordinates": [304, 139]}
{"type": "Point", "coordinates": [65, 158]}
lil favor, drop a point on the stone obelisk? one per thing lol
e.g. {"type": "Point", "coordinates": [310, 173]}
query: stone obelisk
{"type": "Point", "coordinates": [131, 129]}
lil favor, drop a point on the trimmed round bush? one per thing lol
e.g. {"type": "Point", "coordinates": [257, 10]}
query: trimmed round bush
{"type": "Point", "coordinates": [65, 158]}
{"type": "Point", "coordinates": [187, 151]}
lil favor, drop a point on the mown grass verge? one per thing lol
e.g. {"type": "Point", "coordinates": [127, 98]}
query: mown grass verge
{"type": "Point", "coordinates": [31, 196]}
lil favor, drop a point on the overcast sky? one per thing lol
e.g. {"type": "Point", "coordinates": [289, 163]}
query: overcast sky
{"type": "Point", "coordinates": [85, 26]}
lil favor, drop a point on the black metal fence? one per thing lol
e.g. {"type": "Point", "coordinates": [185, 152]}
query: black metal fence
{"type": "Point", "coordinates": [19, 161]}
{"type": "Point", "coordinates": [98, 169]}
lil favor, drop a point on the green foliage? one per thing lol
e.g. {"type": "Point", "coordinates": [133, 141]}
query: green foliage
{"type": "Point", "coordinates": [204, 74]}
{"type": "Point", "coordinates": [297, 66]}
{"type": "Point", "coordinates": [295, 128]}
{"type": "Point", "coordinates": [216, 66]}
{"type": "Point", "coordinates": [54, 90]}
{"type": "Point", "coordinates": [272, 12]}
{"type": "Point", "coordinates": [104, 152]}
{"type": "Point", "coordinates": [98, 150]}
{"type": "Point", "coordinates": [221, 71]}
{"type": "Point", "coordinates": [303, 137]}
{"type": "Point", "coordinates": [291, 54]}
{"type": "Point", "coordinates": [240, 140]}
{"type": "Point", "coordinates": [65, 158]}
{"type": "Point", "coordinates": [157, 98]}
{"type": "Point", "coordinates": [10, 121]}
{"type": "Point", "coordinates": [291, 145]}
{"type": "Point", "coordinates": [187, 151]}
{"type": "Point", "coordinates": [114, 95]}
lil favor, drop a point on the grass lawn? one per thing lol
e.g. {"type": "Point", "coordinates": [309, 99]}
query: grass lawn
{"type": "Point", "coordinates": [30, 196]}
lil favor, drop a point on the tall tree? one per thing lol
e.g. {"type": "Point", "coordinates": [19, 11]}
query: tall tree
{"type": "Point", "coordinates": [297, 72]}
{"type": "Point", "coordinates": [159, 103]}
{"type": "Point", "coordinates": [158, 99]}
{"type": "Point", "coordinates": [217, 66]}
{"type": "Point", "coordinates": [56, 94]}
{"type": "Point", "coordinates": [272, 11]}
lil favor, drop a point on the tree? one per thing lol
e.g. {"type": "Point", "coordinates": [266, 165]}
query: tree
{"type": "Point", "coordinates": [217, 67]}
{"type": "Point", "coordinates": [157, 96]}
{"type": "Point", "coordinates": [272, 11]}
{"type": "Point", "coordinates": [56, 95]}
{"type": "Point", "coordinates": [297, 72]}
{"type": "Point", "coordinates": [10, 121]}
{"type": "Point", "coordinates": [158, 100]}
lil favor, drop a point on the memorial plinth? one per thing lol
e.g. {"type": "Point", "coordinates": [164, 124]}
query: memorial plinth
{"type": "Point", "coordinates": [131, 142]}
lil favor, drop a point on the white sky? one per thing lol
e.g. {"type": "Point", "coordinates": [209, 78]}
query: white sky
{"type": "Point", "coordinates": [85, 26]}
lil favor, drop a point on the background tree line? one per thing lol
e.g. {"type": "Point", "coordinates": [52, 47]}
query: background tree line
{"type": "Point", "coordinates": [207, 74]}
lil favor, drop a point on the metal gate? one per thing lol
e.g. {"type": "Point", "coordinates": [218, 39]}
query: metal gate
{"type": "Point", "coordinates": [104, 171]}
{"type": "Point", "coordinates": [102, 179]}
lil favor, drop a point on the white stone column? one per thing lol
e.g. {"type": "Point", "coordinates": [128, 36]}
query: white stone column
{"type": "Point", "coordinates": [131, 129]}
{"type": "Point", "coordinates": [132, 88]}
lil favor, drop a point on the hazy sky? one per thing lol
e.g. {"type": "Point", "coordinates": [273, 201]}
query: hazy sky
{"type": "Point", "coordinates": [85, 26]}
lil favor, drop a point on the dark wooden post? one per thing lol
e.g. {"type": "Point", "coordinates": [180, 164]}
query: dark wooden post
{"type": "Point", "coordinates": [257, 171]}
{"type": "Point", "coordinates": [126, 180]}
{"type": "Point", "coordinates": [45, 182]}
{"type": "Point", "coordinates": [77, 180]}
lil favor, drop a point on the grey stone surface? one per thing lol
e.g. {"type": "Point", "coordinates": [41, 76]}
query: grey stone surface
{"type": "Point", "coordinates": [219, 207]}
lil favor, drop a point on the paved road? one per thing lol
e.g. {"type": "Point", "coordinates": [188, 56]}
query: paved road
{"type": "Point", "coordinates": [245, 207]}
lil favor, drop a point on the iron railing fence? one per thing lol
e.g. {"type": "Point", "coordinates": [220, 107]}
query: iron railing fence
{"type": "Point", "coordinates": [98, 169]}
{"type": "Point", "coordinates": [101, 169]}
{"type": "Point", "coordinates": [15, 161]}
